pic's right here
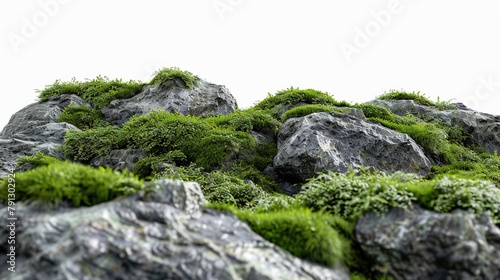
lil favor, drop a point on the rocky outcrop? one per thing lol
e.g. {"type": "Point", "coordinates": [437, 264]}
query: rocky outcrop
{"type": "Point", "coordinates": [421, 244]}
{"type": "Point", "coordinates": [323, 141]}
{"type": "Point", "coordinates": [160, 235]}
{"type": "Point", "coordinates": [35, 128]}
{"type": "Point", "coordinates": [119, 159]}
{"type": "Point", "coordinates": [173, 96]}
{"type": "Point", "coordinates": [484, 128]}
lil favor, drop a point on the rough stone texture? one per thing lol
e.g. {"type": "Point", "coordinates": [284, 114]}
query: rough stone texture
{"type": "Point", "coordinates": [172, 96]}
{"type": "Point", "coordinates": [162, 235]}
{"type": "Point", "coordinates": [35, 128]}
{"type": "Point", "coordinates": [485, 128]}
{"type": "Point", "coordinates": [426, 245]}
{"type": "Point", "coordinates": [119, 159]}
{"type": "Point", "coordinates": [321, 141]}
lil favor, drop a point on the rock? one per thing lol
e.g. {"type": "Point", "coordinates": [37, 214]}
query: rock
{"type": "Point", "coordinates": [173, 96]}
{"type": "Point", "coordinates": [35, 128]}
{"type": "Point", "coordinates": [120, 159]}
{"type": "Point", "coordinates": [484, 128]}
{"type": "Point", "coordinates": [421, 244]}
{"type": "Point", "coordinates": [162, 235]}
{"type": "Point", "coordinates": [321, 141]}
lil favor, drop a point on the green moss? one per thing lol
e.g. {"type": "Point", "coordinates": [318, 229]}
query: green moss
{"type": "Point", "coordinates": [38, 159]}
{"type": "Point", "coordinates": [418, 98]}
{"type": "Point", "coordinates": [295, 95]}
{"type": "Point", "coordinates": [247, 121]}
{"type": "Point", "coordinates": [82, 117]}
{"type": "Point", "coordinates": [172, 73]}
{"type": "Point", "coordinates": [83, 146]}
{"type": "Point", "coordinates": [73, 183]}
{"type": "Point", "coordinates": [98, 92]}
{"type": "Point", "coordinates": [309, 109]}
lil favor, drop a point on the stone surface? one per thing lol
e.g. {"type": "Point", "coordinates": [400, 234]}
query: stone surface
{"type": "Point", "coordinates": [322, 141]}
{"type": "Point", "coordinates": [119, 159]}
{"type": "Point", "coordinates": [162, 235]}
{"type": "Point", "coordinates": [35, 128]}
{"type": "Point", "coordinates": [421, 244]}
{"type": "Point", "coordinates": [484, 128]}
{"type": "Point", "coordinates": [173, 96]}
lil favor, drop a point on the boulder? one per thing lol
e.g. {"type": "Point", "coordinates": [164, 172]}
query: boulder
{"type": "Point", "coordinates": [322, 141]}
{"type": "Point", "coordinates": [161, 235]}
{"type": "Point", "coordinates": [421, 244]}
{"type": "Point", "coordinates": [173, 96]}
{"type": "Point", "coordinates": [119, 159]}
{"type": "Point", "coordinates": [484, 128]}
{"type": "Point", "coordinates": [35, 128]}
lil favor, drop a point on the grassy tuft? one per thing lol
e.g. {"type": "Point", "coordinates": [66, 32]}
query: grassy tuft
{"type": "Point", "coordinates": [418, 97]}
{"type": "Point", "coordinates": [82, 117]}
{"type": "Point", "coordinates": [172, 73]}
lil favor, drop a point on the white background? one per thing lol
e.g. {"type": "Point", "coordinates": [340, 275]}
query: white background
{"type": "Point", "coordinates": [354, 50]}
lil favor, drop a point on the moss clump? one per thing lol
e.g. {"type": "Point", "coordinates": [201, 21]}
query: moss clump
{"type": "Point", "coordinates": [148, 166]}
{"type": "Point", "coordinates": [309, 109]}
{"type": "Point", "coordinates": [418, 98]}
{"type": "Point", "coordinates": [82, 117]}
{"type": "Point", "coordinates": [293, 96]}
{"type": "Point", "coordinates": [38, 159]}
{"type": "Point", "coordinates": [172, 73]}
{"type": "Point", "coordinates": [247, 121]}
{"type": "Point", "coordinates": [304, 234]}
{"type": "Point", "coordinates": [84, 146]}
{"type": "Point", "coordinates": [98, 92]}
{"type": "Point", "coordinates": [76, 184]}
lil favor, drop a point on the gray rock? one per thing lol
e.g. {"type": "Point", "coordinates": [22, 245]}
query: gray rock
{"type": "Point", "coordinates": [119, 159]}
{"type": "Point", "coordinates": [173, 96]}
{"type": "Point", "coordinates": [35, 128]}
{"type": "Point", "coordinates": [421, 244]}
{"type": "Point", "coordinates": [321, 141]}
{"type": "Point", "coordinates": [484, 128]}
{"type": "Point", "coordinates": [162, 235]}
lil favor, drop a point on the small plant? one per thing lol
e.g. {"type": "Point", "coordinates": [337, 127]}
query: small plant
{"type": "Point", "coordinates": [82, 117]}
{"type": "Point", "coordinates": [309, 109]}
{"type": "Point", "coordinates": [172, 73]}
{"type": "Point", "coordinates": [350, 196]}
{"type": "Point", "coordinates": [76, 184]}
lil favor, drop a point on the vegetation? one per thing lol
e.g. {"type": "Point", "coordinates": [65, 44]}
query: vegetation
{"type": "Point", "coordinates": [38, 159]}
{"type": "Point", "coordinates": [173, 73]}
{"type": "Point", "coordinates": [418, 97]}
{"type": "Point", "coordinates": [82, 117]}
{"type": "Point", "coordinates": [97, 92]}
{"type": "Point", "coordinates": [75, 184]}
{"type": "Point", "coordinates": [309, 109]}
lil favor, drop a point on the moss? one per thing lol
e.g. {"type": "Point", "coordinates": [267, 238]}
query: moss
{"type": "Point", "coordinates": [148, 166]}
{"type": "Point", "coordinates": [38, 159]}
{"type": "Point", "coordinates": [418, 98]}
{"type": "Point", "coordinates": [82, 117]}
{"type": "Point", "coordinates": [309, 109]}
{"type": "Point", "coordinates": [295, 95]}
{"type": "Point", "coordinates": [247, 121]}
{"type": "Point", "coordinates": [76, 184]}
{"type": "Point", "coordinates": [84, 146]}
{"type": "Point", "coordinates": [172, 73]}
{"type": "Point", "coordinates": [98, 92]}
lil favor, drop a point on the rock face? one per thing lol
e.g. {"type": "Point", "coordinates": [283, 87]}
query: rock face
{"type": "Point", "coordinates": [426, 245]}
{"type": "Point", "coordinates": [321, 141]}
{"type": "Point", "coordinates": [173, 96]}
{"type": "Point", "coordinates": [484, 128]}
{"type": "Point", "coordinates": [35, 128]}
{"type": "Point", "coordinates": [162, 235]}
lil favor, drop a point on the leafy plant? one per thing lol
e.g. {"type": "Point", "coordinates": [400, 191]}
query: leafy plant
{"type": "Point", "coordinates": [38, 159]}
{"type": "Point", "coordinates": [76, 184]}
